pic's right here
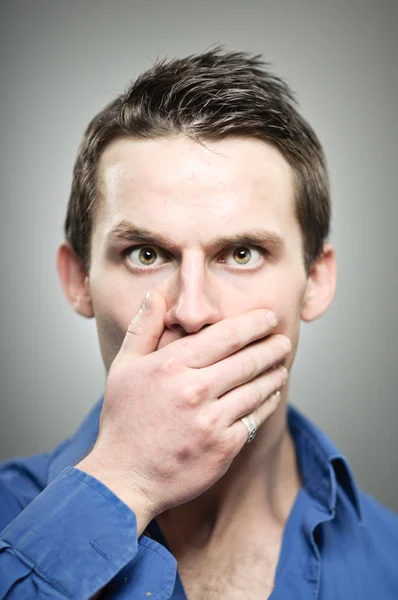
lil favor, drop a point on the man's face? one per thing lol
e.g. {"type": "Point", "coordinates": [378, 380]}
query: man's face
{"type": "Point", "coordinates": [213, 227]}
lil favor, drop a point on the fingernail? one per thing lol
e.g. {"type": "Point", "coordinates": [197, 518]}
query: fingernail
{"type": "Point", "coordinates": [286, 343]}
{"type": "Point", "coordinates": [285, 376]}
{"type": "Point", "coordinates": [146, 305]}
{"type": "Point", "coordinates": [272, 320]}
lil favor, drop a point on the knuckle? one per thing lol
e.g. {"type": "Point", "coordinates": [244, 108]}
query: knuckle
{"type": "Point", "coordinates": [258, 399]}
{"type": "Point", "coordinates": [247, 402]}
{"type": "Point", "coordinates": [193, 394]}
{"type": "Point", "coordinates": [205, 424]}
{"type": "Point", "coordinates": [250, 400]}
{"type": "Point", "coordinates": [170, 365]}
{"type": "Point", "coordinates": [230, 337]}
{"type": "Point", "coordinates": [249, 367]}
{"type": "Point", "coordinates": [135, 327]}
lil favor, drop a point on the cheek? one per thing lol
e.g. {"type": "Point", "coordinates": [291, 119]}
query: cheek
{"type": "Point", "coordinates": [114, 307]}
{"type": "Point", "coordinates": [288, 309]}
{"type": "Point", "coordinates": [283, 295]}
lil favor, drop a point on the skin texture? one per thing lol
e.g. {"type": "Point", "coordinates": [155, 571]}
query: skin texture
{"type": "Point", "coordinates": [193, 195]}
{"type": "Point", "coordinates": [199, 195]}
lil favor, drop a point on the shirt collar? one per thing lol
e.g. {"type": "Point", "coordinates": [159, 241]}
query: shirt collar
{"type": "Point", "coordinates": [321, 463]}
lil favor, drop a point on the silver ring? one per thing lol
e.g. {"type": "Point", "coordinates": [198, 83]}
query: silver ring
{"type": "Point", "coordinates": [251, 428]}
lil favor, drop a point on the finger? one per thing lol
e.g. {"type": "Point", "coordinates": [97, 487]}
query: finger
{"type": "Point", "coordinates": [265, 410]}
{"type": "Point", "coordinates": [145, 329]}
{"type": "Point", "coordinates": [246, 364]}
{"type": "Point", "coordinates": [239, 431]}
{"type": "Point", "coordinates": [247, 398]}
{"type": "Point", "coordinates": [214, 343]}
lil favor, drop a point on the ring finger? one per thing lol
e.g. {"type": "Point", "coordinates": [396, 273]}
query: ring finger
{"type": "Point", "coordinates": [248, 398]}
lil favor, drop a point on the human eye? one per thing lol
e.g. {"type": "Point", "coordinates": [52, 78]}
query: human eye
{"type": "Point", "coordinates": [144, 257]}
{"type": "Point", "coordinates": [244, 256]}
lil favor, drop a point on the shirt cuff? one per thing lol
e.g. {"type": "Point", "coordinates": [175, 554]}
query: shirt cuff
{"type": "Point", "coordinates": [77, 534]}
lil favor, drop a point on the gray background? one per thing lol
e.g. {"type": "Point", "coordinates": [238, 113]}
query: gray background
{"type": "Point", "coordinates": [62, 61]}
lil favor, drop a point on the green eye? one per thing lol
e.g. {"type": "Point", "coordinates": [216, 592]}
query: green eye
{"type": "Point", "coordinates": [242, 255]}
{"type": "Point", "coordinates": [147, 256]}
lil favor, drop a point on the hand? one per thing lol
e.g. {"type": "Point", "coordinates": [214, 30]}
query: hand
{"type": "Point", "coordinates": [170, 424]}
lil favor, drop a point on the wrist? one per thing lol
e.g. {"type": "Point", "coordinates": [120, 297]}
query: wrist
{"type": "Point", "coordinates": [124, 487]}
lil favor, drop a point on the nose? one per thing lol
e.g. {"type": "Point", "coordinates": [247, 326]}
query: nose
{"type": "Point", "coordinates": [193, 300]}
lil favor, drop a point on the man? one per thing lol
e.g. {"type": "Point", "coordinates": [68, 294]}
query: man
{"type": "Point", "coordinates": [196, 235]}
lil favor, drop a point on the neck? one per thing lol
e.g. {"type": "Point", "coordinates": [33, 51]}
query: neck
{"type": "Point", "coordinates": [257, 492]}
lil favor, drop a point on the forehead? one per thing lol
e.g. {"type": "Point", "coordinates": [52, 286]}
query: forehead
{"type": "Point", "coordinates": [193, 190]}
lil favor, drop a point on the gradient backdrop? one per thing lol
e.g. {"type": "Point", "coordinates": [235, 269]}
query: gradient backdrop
{"type": "Point", "coordinates": [62, 61]}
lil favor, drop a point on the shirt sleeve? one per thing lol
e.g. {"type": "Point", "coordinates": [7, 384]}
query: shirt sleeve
{"type": "Point", "coordinates": [71, 540]}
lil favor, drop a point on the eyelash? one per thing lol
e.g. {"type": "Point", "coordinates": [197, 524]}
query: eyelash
{"type": "Point", "coordinates": [128, 250]}
{"type": "Point", "coordinates": [263, 251]}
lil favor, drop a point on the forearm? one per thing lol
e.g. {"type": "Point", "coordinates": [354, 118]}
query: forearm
{"type": "Point", "coordinates": [69, 542]}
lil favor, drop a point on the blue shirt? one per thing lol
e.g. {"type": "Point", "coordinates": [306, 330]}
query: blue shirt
{"type": "Point", "coordinates": [67, 535]}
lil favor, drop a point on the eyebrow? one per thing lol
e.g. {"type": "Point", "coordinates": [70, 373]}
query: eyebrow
{"type": "Point", "coordinates": [126, 231]}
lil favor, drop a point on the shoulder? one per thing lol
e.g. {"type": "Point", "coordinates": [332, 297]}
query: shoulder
{"type": "Point", "coordinates": [378, 520]}
{"type": "Point", "coordinates": [360, 554]}
{"type": "Point", "coordinates": [21, 480]}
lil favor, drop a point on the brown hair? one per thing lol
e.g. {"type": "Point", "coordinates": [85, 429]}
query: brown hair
{"type": "Point", "coordinates": [208, 97]}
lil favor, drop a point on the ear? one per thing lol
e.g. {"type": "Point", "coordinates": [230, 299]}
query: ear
{"type": "Point", "coordinates": [321, 285]}
{"type": "Point", "coordinates": [74, 280]}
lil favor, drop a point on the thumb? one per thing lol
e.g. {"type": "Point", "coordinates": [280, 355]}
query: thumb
{"type": "Point", "coordinates": [144, 331]}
